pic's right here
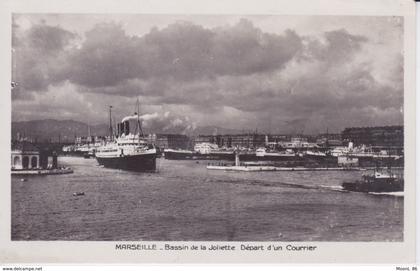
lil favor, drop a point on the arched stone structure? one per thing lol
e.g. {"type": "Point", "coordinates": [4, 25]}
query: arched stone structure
{"type": "Point", "coordinates": [34, 162]}
{"type": "Point", "coordinates": [17, 162]}
{"type": "Point", "coordinates": [25, 162]}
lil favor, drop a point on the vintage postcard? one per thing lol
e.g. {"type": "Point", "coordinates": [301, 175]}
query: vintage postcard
{"type": "Point", "coordinates": [268, 131]}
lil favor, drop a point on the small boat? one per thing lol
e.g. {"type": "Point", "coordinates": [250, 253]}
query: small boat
{"type": "Point", "coordinates": [78, 194]}
{"type": "Point", "coordinates": [378, 182]}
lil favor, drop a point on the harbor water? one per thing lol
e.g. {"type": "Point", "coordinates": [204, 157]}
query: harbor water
{"type": "Point", "coordinates": [183, 201]}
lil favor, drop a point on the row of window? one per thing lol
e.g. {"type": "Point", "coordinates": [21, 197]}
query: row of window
{"type": "Point", "coordinates": [114, 150]}
{"type": "Point", "coordinates": [127, 144]}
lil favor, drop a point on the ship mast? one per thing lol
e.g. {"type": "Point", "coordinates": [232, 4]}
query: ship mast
{"type": "Point", "coordinates": [88, 136]}
{"type": "Point", "coordinates": [138, 120]}
{"type": "Point", "coordinates": [110, 123]}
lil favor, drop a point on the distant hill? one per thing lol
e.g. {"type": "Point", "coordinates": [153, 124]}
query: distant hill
{"type": "Point", "coordinates": [42, 130]}
{"type": "Point", "coordinates": [214, 130]}
{"type": "Point", "coordinates": [67, 130]}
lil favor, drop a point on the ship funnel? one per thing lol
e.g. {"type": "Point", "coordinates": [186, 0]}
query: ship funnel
{"type": "Point", "coordinates": [126, 127]}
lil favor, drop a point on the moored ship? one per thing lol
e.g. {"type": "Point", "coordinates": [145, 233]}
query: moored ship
{"type": "Point", "coordinates": [263, 154]}
{"type": "Point", "coordinates": [202, 151]}
{"type": "Point", "coordinates": [130, 150]}
{"type": "Point", "coordinates": [316, 157]}
{"type": "Point", "coordinates": [213, 152]}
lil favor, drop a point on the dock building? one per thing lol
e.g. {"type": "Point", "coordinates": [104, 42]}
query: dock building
{"type": "Point", "coordinates": [380, 137]}
{"type": "Point", "coordinates": [28, 156]}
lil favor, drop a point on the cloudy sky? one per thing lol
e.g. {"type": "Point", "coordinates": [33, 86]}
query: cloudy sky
{"type": "Point", "coordinates": [278, 74]}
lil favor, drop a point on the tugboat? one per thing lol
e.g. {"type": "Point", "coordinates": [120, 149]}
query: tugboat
{"type": "Point", "coordinates": [378, 182]}
{"type": "Point", "coordinates": [130, 150]}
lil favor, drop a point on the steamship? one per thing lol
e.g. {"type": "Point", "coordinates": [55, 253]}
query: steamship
{"type": "Point", "coordinates": [128, 149]}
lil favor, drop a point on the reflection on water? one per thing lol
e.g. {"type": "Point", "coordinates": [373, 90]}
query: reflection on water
{"type": "Point", "coordinates": [185, 201]}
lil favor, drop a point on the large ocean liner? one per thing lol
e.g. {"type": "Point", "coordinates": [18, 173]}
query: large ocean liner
{"type": "Point", "coordinates": [128, 149]}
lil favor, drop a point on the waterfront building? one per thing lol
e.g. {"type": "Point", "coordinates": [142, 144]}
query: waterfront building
{"type": "Point", "coordinates": [204, 139]}
{"type": "Point", "coordinates": [298, 143]}
{"type": "Point", "coordinates": [278, 138]}
{"type": "Point", "coordinates": [328, 143]}
{"type": "Point", "coordinates": [379, 137]}
{"type": "Point", "coordinates": [171, 141]}
{"type": "Point", "coordinates": [247, 140]}
{"type": "Point", "coordinates": [28, 156]}
{"type": "Point", "coordinates": [83, 140]}
{"type": "Point", "coordinates": [25, 159]}
{"type": "Point", "coordinates": [232, 141]}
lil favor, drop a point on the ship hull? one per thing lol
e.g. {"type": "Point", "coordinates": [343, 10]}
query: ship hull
{"type": "Point", "coordinates": [216, 156]}
{"type": "Point", "coordinates": [173, 155]}
{"type": "Point", "coordinates": [254, 157]}
{"type": "Point", "coordinates": [382, 186]}
{"type": "Point", "coordinates": [142, 162]}
{"type": "Point", "coordinates": [328, 160]}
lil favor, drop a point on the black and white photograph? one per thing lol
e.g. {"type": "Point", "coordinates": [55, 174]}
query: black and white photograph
{"type": "Point", "coordinates": [213, 128]}
{"type": "Point", "coordinates": [261, 130]}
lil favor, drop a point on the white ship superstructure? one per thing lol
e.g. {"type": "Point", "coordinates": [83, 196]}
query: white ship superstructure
{"type": "Point", "coordinates": [129, 149]}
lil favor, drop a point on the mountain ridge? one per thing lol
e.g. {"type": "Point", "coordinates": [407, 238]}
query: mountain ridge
{"type": "Point", "coordinates": [67, 130]}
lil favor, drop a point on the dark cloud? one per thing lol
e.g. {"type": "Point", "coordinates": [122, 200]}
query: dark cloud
{"type": "Point", "coordinates": [281, 82]}
{"type": "Point", "coordinates": [337, 45]}
{"type": "Point", "coordinates": [38, 54]}
{"type": "Point", "coordinates": [48, 39]}
{"type": "Point", "coordinates": [106, 58]}
{"type": "Point", "coordinates": [244, 49]}
{"type": "Point", "coordinates": [183, 50]}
